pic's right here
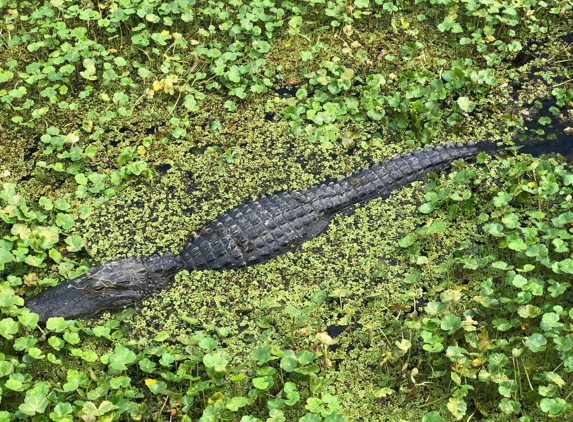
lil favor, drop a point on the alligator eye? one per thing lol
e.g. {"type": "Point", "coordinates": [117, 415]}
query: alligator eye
{"type": "Point", "coordinates": [98, 289]}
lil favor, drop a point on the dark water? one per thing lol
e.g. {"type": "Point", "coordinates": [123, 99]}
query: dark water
{"type": "Point", "coordinates": [562, 145]}
{"type": "Point", "coordinates": [557, 136]}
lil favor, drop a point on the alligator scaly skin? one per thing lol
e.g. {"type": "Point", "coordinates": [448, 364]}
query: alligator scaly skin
{"type": "Point", "coordinates": [257, 231]}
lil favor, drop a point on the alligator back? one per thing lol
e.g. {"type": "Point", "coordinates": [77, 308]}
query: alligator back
{"type": "Point", "coordinates": [257, 231]}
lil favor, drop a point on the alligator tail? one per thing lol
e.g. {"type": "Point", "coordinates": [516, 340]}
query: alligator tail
{"type": "Point", "coordinates": [380, 179]}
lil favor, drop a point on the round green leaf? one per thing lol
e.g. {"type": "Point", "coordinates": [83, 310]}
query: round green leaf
{"type": "Point", "coordinates": [536, 342]}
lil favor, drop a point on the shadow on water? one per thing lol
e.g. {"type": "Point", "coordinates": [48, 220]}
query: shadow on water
{"type": "Point", "coordinates": [546, 138]}
{"type": "Point", "coordinates": [546, 130]}
{"type": "Point", "coordinates": [562, 145]}
{"type": "Point", "coordinates": [553, 137]}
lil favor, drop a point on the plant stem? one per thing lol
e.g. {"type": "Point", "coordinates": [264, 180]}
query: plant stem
{"type": "Point", "coordinates": [439, 399]}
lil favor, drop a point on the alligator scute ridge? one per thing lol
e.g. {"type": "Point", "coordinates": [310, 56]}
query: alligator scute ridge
{"type": "Point", "coordinates": [252, 233]}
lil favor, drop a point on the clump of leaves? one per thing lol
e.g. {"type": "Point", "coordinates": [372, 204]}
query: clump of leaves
{"type": "Point", "coordinates": [33, 235]}
{"type": "Point", "coordinates": [512, 333]}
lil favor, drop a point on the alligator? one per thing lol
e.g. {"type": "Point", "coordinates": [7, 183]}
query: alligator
{"type": "Point", "coordinates": [252, 233]}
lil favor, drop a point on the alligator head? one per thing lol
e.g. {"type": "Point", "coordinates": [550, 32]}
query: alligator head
{"type": "Point", "coordinates": [108, 287]}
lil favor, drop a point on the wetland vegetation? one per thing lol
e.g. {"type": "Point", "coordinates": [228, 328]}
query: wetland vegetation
{"type": "Point", "coordinates": [126, 125]}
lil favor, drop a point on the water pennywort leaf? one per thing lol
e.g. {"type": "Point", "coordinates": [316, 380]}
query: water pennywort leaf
{"type": "Point", "coordinates": [33, 404]}
{"type": "Point", "coordinates": [536, 343]}
{"type": "Point", "coordinates": [5, 257]}
{"type": "Point", "coordinates": [120, 358]}
{"type": "Point", "coordinates": [466, 104]}
{"type": "Point", "coordinates": [451, 323]}
{"type": "Point", "coordinates": [57, 324]}
{"type": "Point", "coordinates": [288, 361]}
{"type": "Point", "coordinates": [554, 407]}
{"type": "Point", "coordinates": [216, 361]}
{"type": "Point", "coordinates": [236, 403]}
{"type": "Point", "coordinates": [8, 327]}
